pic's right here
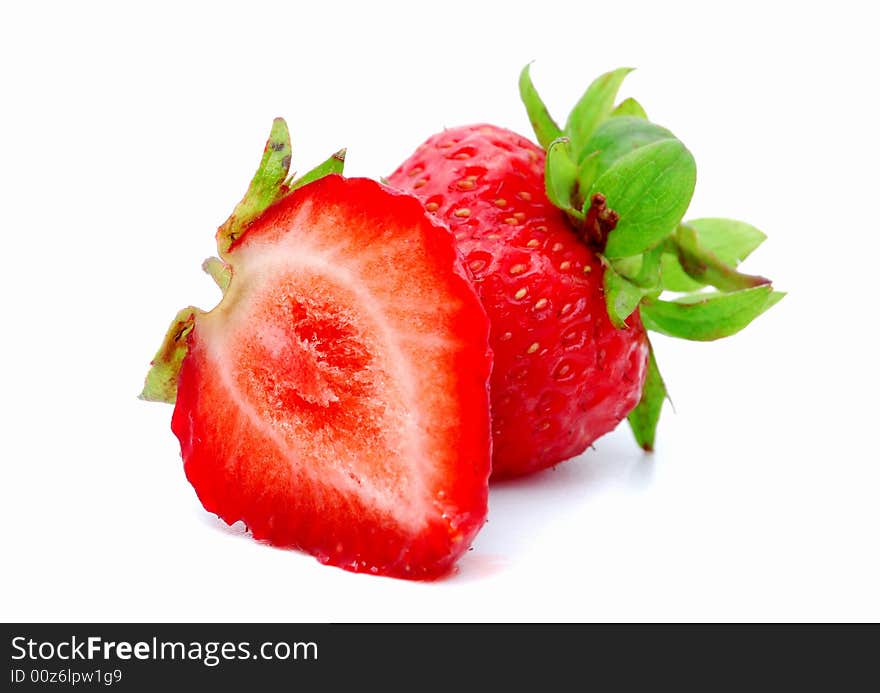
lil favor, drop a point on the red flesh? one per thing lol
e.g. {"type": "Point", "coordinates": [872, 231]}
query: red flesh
{"type": "Point", "coordinates": [336, 400]}
{"type": "Point", "coordinates": [563, 374]}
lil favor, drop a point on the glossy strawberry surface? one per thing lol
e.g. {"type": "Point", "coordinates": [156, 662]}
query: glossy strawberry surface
{"type": "Point", "coordinates": [563, 374]}
{"type": "Point", "coordinates": [336, 399]}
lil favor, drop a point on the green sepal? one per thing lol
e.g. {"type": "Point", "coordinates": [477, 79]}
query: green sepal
{"type": "Point", "coordinates": [650, 188]}
{"type": "Point", "coordinates": [267, 186]}
{"type": "Point", "coordinates": [586, 177]}
{"type": "Point", "coordinates": [648, 276]}
{"type": "Point", "coordinates": [643, 270]}
{"type": "Point", "coordinates": [627, 281]}
{"type": "Point", "coordinates": [729, 240]}
{"type": "Point", "coordinates": [613, 139]}
{"type": "Point", "coordinates": [560, 175]}
{"type": "Point", "coordinates": [161, 381]}
{"type": "Point", "coordinates": [704, 266]}
{"type": "Point", "coordinates": [621, 296]}
{"type": "Point", "coordinates": [219, 271]}
{"type": "Point", "coordinates": [674, 276]}
{"type": "Point", "coordinates": [644, 417]}
{"type": "Point", "coordinates": [546, 129]}
{"type": "Point", "coordinates": [629, 107]}
{"type": "Point", "coordinates": [334, 164]}
{"type": "Point", "coordinates": [705, 317]}
{"type": "Point", "coordinates": [628, 267]}
{"type": "Point", "coordinates": [593, 108]}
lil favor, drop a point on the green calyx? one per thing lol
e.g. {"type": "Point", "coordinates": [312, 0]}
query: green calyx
{"type": "Point", "coordinates": [266, 186]}
{"type": "Point", "coordinates": [271, 183]}
{"type": "Point", "coordinates": [161, 382]}
{"type": "Point", "coordinates": [625, 185]}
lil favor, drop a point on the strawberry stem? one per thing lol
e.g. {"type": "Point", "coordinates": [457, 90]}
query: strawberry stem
{"type": "Point", "coordinates": [599, 221]}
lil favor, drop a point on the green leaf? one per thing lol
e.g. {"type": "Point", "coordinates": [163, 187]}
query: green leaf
{"type": "Point", "coordinates": [161, 382]}
{"type": "Point", "coordinates": [775, 297]}
{"type": "Point", "coordinates": [673, 275]}
{"type": "Point", "coordinates": [334, 164]}
{"type": "Point", "coordinates": [643, 270]}
{"type": "Point", "coordinates": [546, 129]}
{"type": "Point", "coordinates": [629, 107]}
{"type": "Point", "coordinates": [627, 281]}
{"type": "Point", "coordinates": [649, 273]}
{"type": "Point", "coordinates": [586, 177]}
{"type": "Point", "coordinates": [628, 267]}
{"type": "Point", "coordinates": [593, 107]}
{"type": "Point", "coordinates": [708, 316]}
{"type": "Point", "coordinates": [266, 186]}
{"type": "Point", "coordinates": [729, 240]}
{"type": "Point", "coordinates": [650, 189]}
{"type": "Point", "coordinates": [705, 267]}
{"type": "Point", "coordinates": [219, 271]}
{"type": "Point", "coordinates": [732, 241]}
{"type": "Point", "coordinates": [614, 139]}
{"type": "Point", "coordinates": [560, 175]}
{"type": "Point", "coordinates": [621, 297]}
{"type": "Point", "coordinates": [643, 419]}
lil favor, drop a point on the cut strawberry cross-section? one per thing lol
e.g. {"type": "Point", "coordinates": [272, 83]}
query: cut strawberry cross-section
{"type": "Point", "coordinates": [336, 399]}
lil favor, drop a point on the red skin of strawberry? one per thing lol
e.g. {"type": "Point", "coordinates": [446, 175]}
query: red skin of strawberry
{"type": "Point", "coordinates": [336, 400]}
{"type": "Point", "coordinates": [563, 374]}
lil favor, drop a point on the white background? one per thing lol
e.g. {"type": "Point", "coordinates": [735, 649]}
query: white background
{"type": "Point", "coordinates": [129, 131]}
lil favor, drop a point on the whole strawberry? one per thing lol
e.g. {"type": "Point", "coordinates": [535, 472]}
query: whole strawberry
{"type": "Point", "coordinates": [570, 246]}
{"type": "Point", "coordinates": [563, 374]}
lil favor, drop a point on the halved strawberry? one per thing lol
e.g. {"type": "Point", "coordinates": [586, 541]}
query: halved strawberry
{"type": "Point", "coordinates": [336, 399]}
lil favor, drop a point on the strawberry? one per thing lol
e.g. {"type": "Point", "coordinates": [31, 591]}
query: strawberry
{"type": "Point", "coordinates": [570, 246]}
{"type": "Point", "coordinates": [564, 374]}
{"type": "Point", "coordinates": [336, 399]}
